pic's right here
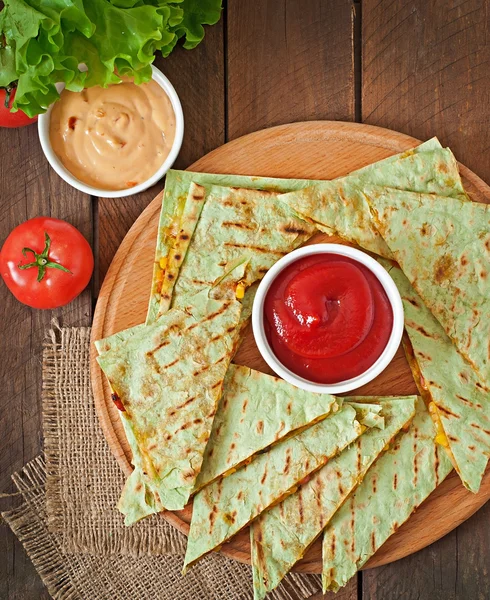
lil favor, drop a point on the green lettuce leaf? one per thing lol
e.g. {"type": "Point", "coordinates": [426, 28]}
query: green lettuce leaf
{"type": "Point", "coordinates": [45, 42]}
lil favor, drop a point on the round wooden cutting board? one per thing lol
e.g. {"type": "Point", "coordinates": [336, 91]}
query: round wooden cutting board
{"type": "Point", "coordinates": [312, 150]}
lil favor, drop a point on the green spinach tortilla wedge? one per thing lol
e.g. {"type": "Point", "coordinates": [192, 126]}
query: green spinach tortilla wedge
{"type": "Point", "coordinates": [169, 377]}
{"type": "Point", "coordinates": [240, 234]}
{"type": "Point", "coordinates": [226, 506]}
{"type": "Point", "coordinates": [178, 183]}
{"type": "Point", "coordinates": [443, 247]}
{"type": "Point", "coordinates": [398, 482]}
{"type": "Point", "coordinates": [281, 535]}
{"type": "Point", "coordinates": [457, 401]}
{"type": "Point", "coordinates": [339, 206]}
{"type": "Point", "coordinates": [256, 411]}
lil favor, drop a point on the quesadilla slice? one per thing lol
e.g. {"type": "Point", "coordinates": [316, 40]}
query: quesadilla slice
{"type": "Point", "coordinates": [458, 403]}
{"type": "Point", "coordinates": [398, 482]}
{"type": "Point", "coordinates": [443, 247]}
{"type": "Point", "coordinates": [339, 206]}
{"type": "Point", "coordinates": [226, 506]}
{"type": "Point", "coordinates": [175, 195]}
{"type": "Point", "coordinates": [168, 379]}
{"type": "Point", "coordinates": [240, 234]}
{"type": "Point", "coordinates": [281, 536]}
{"type": "Point", "coordinates": [256, 411]}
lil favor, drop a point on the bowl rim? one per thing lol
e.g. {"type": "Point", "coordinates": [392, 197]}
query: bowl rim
{"type": "Point", "coordinates": [66, 175]}
{"type": "Point", "coordinates": [349, 384]}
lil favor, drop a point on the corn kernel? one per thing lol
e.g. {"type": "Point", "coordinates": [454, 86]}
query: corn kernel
{"type": "Point", "coordinates": [240, 291]}
{"type": "Point", "coordinates": [163, 263]}
{"type": "Point", "coordinates": [441, 439]}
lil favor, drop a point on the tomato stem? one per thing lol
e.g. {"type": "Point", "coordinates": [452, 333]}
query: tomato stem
{"type": "Point", "coordinates": [41, 261]}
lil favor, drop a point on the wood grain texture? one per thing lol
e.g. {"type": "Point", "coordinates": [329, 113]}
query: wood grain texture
{"type": "Point", "coordinates": [198, 78]}
{"type": "Point", "coordinates": [426, 71]}
{"type": "Point", "coordinates": [29, 188]}
{"type": "Point", "coordinates": [318, 150]}
{"type": "Point", "coordinates": [289, 61]}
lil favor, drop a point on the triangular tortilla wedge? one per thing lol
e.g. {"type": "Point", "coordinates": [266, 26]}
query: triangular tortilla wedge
{"type": "Point", "coordinates": [228, 505]}
{"type": "Point", "coordinates": [242, 427]}
{"type": "Point", "coordinates": [419, 176]}
{"type": "Point", "coordinates": [281, 535]}
{"type": "Point", "coordinates": [339, 207]}
{"type": "Point", "coordinates": [255, 412]}
{"type": "Point", "coordinates": [458, 402]}
{"type": "Point", "coordinates": [443, 247]}
{"type": "Point", "coordinates": [398, 482]}
{"type": "Point", "coordinates": [240, 234]}
{"type": "Point", "coordinates": [169, 378]}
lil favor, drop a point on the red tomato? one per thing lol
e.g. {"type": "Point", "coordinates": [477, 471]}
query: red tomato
{"type": "Point", "coordinates": [12, 119]}
{"type": "Point", "coordinates": [46, 262]}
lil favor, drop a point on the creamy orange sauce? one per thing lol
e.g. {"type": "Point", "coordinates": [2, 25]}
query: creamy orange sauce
{"type": "Point", "coordinates": [113, 138]}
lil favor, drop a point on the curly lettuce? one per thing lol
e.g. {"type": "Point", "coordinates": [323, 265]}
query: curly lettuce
{"type": "Point", "coordinates": [44, 42]}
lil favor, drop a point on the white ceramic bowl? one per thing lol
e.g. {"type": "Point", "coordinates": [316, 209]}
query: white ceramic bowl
{"type": "Point", "coordinates": [64, 173]}
{"type": "Point", "coordinates": [342, 386]}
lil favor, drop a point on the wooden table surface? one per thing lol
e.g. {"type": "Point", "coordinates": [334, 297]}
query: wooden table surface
{"type": "Point", "coordinates": [417, 66]}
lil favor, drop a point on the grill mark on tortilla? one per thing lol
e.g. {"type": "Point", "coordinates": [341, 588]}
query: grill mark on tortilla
{"type": "Point", "coordinates": [256, 248]}
{"type": "Point", "coordinates": [212, 517]}
{"type": "Point", "coordinates": [188, 401]}
{"type": "Point", "coordinates": [206, 367]}
{"type": "Point", "coordinates": [468, 402]}
{"type": "Point", "coordinates": [217, 384]}
{"type": "Point", "coordinates": [472, 448]}
{"type": "Point", "coordinates": [264, 477]}
{"type": "Point", "coordinates": [238, 225]}
{"type": "Point", "coordinates": [415, 466]}
{"type": "Point", "coordinates": [482, 387]}
{"type": "Point", "coordinates": [359, 456]}
{"type": "Point", "coordinates": [294, 229]}
{"type": "Point", "coordinates": [412, 302]}
{"type": "Point", "coordinates": [281, 509]}
{"type": "Point", "coordinates": [244, 405]}
{"type": "Point", "coordinates": [421, 330]}
{"type": "Point", "coordinates": [318, 495]}
{"type": "Point", "coordinates": [352, 525]}
{"type": "Point", "coordinates": [288, 407]}
{"type": "Point", "coordinates": [373, 541]}
{"type": "Point", "coordinates": [395, 481]}
{"type": "Point", "coordinates": [260, 553]}
{"type": "Point", "coordinates": [260, 427]}
{"type": "Point", "coordinates": [448, 412]}
{"type": "Point", "coordinates": [184, 236]}
{"type": "Point", "coordinates": [239, 495]}
{"type": "Point", "coordinates": [451, 438]}
{"type": "Point", "coordinates": [159, 347]}
{"type": "Point", "coordinates": [168, 365]}
{"type": "Point", "coordinates": [476, 426]}
{"type": "Point", "coordinates": [332, 545]}
{"type": "Point", "coordinates": [301, 507]}
{"type": "Point", "coordinates": [436, 463]}
{"type": "Point", "coordinates": [230, 518]}
{"type": "Point", "coordinates": [374, 485]}
{"type": "Point", "coordinates": [177, 257]}
{"type": "Point", "coordinates": [288, 461]}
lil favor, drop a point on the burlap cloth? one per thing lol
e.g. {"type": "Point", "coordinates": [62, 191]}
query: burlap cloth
{"type": "Point", "coordinates": [68, 523]}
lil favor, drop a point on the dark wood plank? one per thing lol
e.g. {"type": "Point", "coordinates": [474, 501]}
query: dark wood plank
{"type": "Point", "coordinates": [198, 77]}
{"type": "Point", "coordinates": [425, 72]}
{"type": "Point", "coordinates": [29, 188]}
{"type": "Point", "coordinates": [289, 61]}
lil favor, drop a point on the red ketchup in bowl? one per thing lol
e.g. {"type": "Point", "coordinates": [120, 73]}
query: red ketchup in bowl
{"type": "Point", "coordinates": [327, 318]}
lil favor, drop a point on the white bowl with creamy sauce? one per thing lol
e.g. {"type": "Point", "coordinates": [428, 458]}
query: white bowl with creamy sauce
{"type": "Point", "coordinates": [116, 141]}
